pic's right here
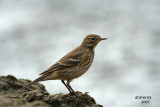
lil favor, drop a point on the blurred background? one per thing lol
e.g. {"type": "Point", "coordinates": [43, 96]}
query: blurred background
{"type": "Point", "coordinates": [35, 34]}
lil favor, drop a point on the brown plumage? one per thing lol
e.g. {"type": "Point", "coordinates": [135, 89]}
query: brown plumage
{"type": "Point", "coordinates": [72, 65]}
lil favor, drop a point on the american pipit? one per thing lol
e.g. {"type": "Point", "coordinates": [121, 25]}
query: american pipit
{"type": "Point", "coordinates": [72, 65]}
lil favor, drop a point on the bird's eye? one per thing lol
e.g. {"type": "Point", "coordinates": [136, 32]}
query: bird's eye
{"type": "Point", "coordinates": [92, 38]}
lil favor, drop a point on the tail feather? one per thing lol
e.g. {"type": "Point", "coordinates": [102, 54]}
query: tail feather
{"type": "Point", "coordinates": [35, 81]}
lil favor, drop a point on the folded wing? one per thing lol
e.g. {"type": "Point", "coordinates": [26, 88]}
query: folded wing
{"type": "Point", "coordinates": [70, 60]}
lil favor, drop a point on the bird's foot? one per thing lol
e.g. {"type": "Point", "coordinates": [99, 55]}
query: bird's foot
{"type": "Point", "coordinates": [77, 94]}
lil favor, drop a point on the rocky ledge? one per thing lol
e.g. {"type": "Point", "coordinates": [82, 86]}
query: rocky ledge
{"type": "Point", "coordinates": [37, 96]}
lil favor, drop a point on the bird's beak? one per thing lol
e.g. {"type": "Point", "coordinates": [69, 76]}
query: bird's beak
{"type": "Point", "coordinates": [103, 38]}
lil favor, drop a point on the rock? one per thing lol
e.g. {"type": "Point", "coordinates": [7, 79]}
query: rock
{"type": "Point", "coordinates": [37, 96]}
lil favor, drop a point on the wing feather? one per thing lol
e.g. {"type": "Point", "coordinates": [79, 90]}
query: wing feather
{"type": "Point", "coordinates": [70, 60]}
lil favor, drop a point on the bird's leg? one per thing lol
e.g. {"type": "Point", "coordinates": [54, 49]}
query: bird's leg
{"type": "Point", "coordinates": [72, 90]}
{"type": "Point", "coordinates": [67, 86]}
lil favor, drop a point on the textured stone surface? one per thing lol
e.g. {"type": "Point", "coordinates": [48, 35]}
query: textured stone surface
{"type": "Point", "coordinates": [37, 96]}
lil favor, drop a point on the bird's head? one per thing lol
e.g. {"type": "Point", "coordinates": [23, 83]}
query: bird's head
{"type": "Point", "coordinates": [92, 40]}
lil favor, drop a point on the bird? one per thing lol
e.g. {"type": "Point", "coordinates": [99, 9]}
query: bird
{"type": "Point", "coordinates": [72, 65]}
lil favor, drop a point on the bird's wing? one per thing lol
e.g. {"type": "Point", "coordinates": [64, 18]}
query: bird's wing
{"type": "Point", "coordinates": [69, 60]}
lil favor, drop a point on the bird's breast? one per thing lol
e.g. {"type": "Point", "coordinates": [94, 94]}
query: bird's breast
{"type": "Point", "coordinates": [86, 63]}
{"type": "Point", "coordinates": [78, 70]}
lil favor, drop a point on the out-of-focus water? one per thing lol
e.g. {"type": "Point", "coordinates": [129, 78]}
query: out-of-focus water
{"type": "Point", "coordinates": [35, 34]}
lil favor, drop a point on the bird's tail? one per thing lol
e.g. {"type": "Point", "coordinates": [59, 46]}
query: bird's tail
{"type": "Point", "coordinates": [35, 81]}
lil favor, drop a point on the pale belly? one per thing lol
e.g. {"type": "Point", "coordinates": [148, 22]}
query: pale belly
{"type": "Point", "coordinates": [65, 75]}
